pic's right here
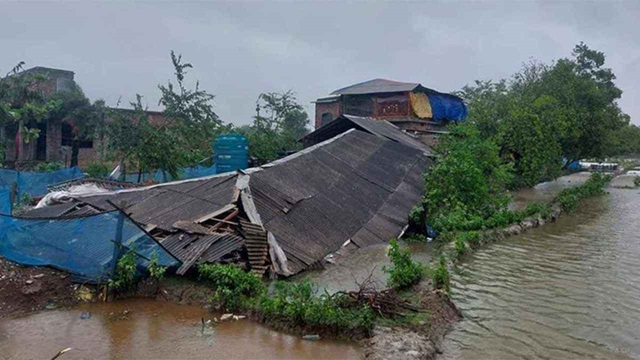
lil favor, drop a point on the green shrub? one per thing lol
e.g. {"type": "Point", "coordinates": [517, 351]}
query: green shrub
{"type": "Point", "coordinates": [595, 185]}
{"type": "Point", "coordinates": [233, 287]}
{"type": "Point", "coordinates": [97, 169]}
{"type": "Point", "coordinates": [405, 272]}
{"type": "Point", "coordinates": [25, 201]}
{"type": "Point", "coordinates": [472, 238]}
{"type": "Point", "coordinates": [459, 245]}
{"type": "Point", "coordinates": [156, 271]}
{"type": "Point", "coordinates": [533, 209]}
{"type": "Point", "coordinates": [567, 199]}
{"type": "Point", "coordinates": [440, 275]}
{"type": "Point", "coordinates": [124, 277]}
{"type": "Point", "coordinates": [414, 238]}
{"type": "Point", "coordinates": [299, 303]}
{"type": "Point", "coordinates": [48, 166]}
{"type": "Point", "coordinates": [416, 216]}
{"type": "Point", "coordinates": [468, 182]}
{"type": "Point", "coordinates": [636, 181]}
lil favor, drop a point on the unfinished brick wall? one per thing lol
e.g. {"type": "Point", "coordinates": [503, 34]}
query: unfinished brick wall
{"type": "Point", "coordinates": [333, 108]}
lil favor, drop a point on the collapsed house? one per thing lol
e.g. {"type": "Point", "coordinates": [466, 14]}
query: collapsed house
{"type": "Point", "coordinates": [355, 188]}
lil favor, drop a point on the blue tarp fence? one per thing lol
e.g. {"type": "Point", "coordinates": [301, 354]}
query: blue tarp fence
{"type": "Point", "coordinates": [5, 202]}
{"type": "Point", "coordinates": [87, 247]}
{"type": "Point", "coordinates": [184, 174]}
{"type": "Point", "coordinates": [35, 183]}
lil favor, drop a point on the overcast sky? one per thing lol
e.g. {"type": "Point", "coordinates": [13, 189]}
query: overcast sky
{"type": "Point", "coordinates": [240, 49]}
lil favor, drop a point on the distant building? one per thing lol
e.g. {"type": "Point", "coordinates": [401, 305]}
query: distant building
{"type": "Point", "coordinates": [56, 136]}
{"type": "Point", "coordinates": [410, 106]}
{"type": "Point", "coordinates": [48, 144]}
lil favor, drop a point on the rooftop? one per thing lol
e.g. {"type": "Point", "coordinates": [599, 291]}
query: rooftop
{"type": "Point", "coordinates": [376, 86]}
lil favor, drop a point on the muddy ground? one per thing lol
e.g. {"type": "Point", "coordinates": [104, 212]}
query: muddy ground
{"type": "Point", "coordinates": [28, 289]}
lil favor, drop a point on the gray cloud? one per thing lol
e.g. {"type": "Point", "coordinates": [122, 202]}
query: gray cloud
{"type": "Point", "coordinates": [119, 49]}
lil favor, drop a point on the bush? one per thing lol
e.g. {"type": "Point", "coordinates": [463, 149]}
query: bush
{"type": "Point", "coordinates": [298, 303]}
{"type": "Point", "coordinates": [459, 245]}
{"type": "Point", "coordinates": [97, 169]}
{"type": "Point", "coordinates": [468, 182]}
{"type": "Point", "coordinates": [534, 208]}
{"type": "Point", "coordinates": [416, 217]}
{"type": "Point", "coordinates": [440, 275]}
{"type": "Point", "coordinates": [567, 199]}
{"type": "Point", "coordinates": [233, 287]}
{"type": "Point", "coordinates": [48, 166]}
{"type": "Point", "coordinates": [25, 201]}
{"type": "Point", "coordinates": [124, 277]}
{"type": "Point", "coordinates": [636, 181]}
{"type": "Point", "coordinates": [414, 238]}
{"type": "Point", "coordinates": [595, 185]}
{"type": "Point", "coordinates": [156, 271]}
{"type": "Point", "coordinates": [405, 272]}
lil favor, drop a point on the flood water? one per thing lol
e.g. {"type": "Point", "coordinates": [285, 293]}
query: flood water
{"type": "Point", "coordinates": [567, 290]}
{"type": "Point", "coordinates": [146, 329]}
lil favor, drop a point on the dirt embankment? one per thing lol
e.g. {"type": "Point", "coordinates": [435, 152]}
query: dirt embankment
{"type": "Point", "coordinates": [418, 340]}
{"type": "Point", "coordinates": [28, 289]}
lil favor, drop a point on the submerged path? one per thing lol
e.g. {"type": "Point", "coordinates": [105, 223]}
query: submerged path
{"type": "Point", "coordinates": [565, 290]}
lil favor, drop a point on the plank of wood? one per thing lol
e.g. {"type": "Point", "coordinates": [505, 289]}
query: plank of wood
{"type": "Point", "coordinates": [216, 213]}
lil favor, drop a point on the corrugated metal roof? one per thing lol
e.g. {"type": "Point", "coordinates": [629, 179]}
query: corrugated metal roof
{"type": "Point", "coordinates": [355, 186]}
{"type": "Point", "coordinates": [165, 205]}
{"type": "Point", "coordinates": [312, 212]}
{"type": "Point", "coordinates": [377, 127]}
{"type": "Point", "coordinates": [376, 86]}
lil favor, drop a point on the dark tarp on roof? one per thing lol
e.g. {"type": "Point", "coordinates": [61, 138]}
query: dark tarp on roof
{"type": "Point", "coordinates": [316, 201]}
{"type": "Point", "coordinates": [376, 127]}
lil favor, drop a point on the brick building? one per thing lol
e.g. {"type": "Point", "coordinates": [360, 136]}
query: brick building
{"type": "Point", "coordinates": [410, 106]}
{"type": "Point", "coordinates": [56, 135]}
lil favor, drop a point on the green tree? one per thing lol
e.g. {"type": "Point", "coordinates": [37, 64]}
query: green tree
{"type": "Point", "coordinates": [468, 180]}
{"type": "Point", "coordinates": [23, 102]}
{"type": "Point", "coordinates": [279, 122]}
{"type": "Point", "coordinates": [136, 143]}
{"type": "Point", "coordinates": [626, 141]}
{"type": "Point", "coordinates": [184, 138]}
{"type": "Point", "coordinates": [545, 114]}
{"type": "Point", "coordinates": [193, 122]}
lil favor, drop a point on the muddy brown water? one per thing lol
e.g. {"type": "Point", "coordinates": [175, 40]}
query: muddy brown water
{"type": "Point", "coordinates": [567, 290]}
{"type": "Point", "coordinates": [146, 329]}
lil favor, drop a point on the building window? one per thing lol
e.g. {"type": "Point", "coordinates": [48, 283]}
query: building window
{"type": "Point", "coordinates": [326, 118]}
{"type": "Point", "coordinates": [68, 136]}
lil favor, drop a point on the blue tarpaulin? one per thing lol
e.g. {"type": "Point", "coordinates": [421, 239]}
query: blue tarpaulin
{"type": "Point", "coordinates": [185, 173]}
{"type": "Point", "coordinates": [447, 107]}
{"type": "Point", "coordinates": [5, 202]}
{"type": "Point", "coordinates": [86, 247]}
{"type": "Point", "coordinates": [35, 183]}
